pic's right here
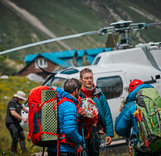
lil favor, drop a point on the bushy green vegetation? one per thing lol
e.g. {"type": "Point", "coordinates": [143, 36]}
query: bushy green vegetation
{"type": "Point", "coordinates": [8, 87]}
{"type": "Point", "coordinates": [5, 69]}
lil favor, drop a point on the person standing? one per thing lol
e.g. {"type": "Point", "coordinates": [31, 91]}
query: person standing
{"type": "Point", "coordinates": [69, 139]}
{"type": "Point", "coordinates": [13, 119]}
{"type": "Point", "coordinates": [105, 123]}
{"type": "Point", "coordinates": [126, 124]}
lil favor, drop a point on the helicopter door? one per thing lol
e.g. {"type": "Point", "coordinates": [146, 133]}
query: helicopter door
{"type": "Point", "coordinates": [114, 88]}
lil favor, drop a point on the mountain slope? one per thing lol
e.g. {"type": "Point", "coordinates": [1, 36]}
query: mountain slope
{"type": "Point", "coordinates": [69, 17]}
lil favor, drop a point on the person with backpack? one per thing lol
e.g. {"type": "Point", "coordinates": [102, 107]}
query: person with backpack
{"type": "Point", "coordinates": [13, 119]}
{"type": "Point", "coordinates": [102, 121]}
{"type": "Point", "coordinates": [69, 138]}
{"type": "Point", "coordinates": [137, 119]}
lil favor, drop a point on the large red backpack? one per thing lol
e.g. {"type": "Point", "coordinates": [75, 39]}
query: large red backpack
{"type": "Point", "coordinates": [42, 116]}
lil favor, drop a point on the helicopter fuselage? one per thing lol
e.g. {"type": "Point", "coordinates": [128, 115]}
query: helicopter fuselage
{"type": "Point", "coordinates": [114, 70]}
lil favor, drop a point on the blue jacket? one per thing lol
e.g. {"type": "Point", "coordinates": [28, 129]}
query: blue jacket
{"type": "Point", "coordinates": [68, 124]}
{"type": "Point", "coordinates": [125, 121]}
{"type": "Point", "coordinates": [104, 113]}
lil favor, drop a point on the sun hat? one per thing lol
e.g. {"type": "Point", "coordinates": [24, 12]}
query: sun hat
{"type": "Point", "coordinates": [20, 95]}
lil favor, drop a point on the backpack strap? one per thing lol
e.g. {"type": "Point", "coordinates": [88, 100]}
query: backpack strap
{"type": "Point", "coordinates": [64, 99]}
{"type": "Point", "coordinates": [97, 95]}
{"type": "Point", "coordinates": [64, 139]}
{"type": "Point", "coordinates": [55, 98]}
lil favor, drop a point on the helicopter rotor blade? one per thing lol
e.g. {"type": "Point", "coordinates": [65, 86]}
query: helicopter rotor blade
{"type": "Point", "coordinates": [49, 40]}
{"type": "Point", "coordinates": [120, 27]}
{"type": "Point", "coordinates": [140, 26]}
{"type": "Point", "coordinates": [152, 24]}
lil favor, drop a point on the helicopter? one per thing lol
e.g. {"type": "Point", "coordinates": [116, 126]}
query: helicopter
{"type": "Point", "coordinates": [113, 70]}
{"type": "Point", "coordinates": [142, 61]}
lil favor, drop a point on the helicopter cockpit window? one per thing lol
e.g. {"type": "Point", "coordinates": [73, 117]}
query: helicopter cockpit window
{"type": "Point", "coordinates": [112, 87]}
{"type": "Point", "coordinates": [69, 71]}
{"type": "Point", "coordinates": [58, 82]}
{"type": "Point", "coordinates": [96, 61]}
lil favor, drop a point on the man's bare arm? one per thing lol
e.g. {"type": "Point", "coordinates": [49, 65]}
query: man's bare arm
{"type": "Point", "coordinates": [16, 115]}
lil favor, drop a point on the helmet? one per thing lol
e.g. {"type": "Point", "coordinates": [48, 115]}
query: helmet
{"type": "Point", "coordinates": [133, 84]}
{"type": "Point", "coordinates": [90, 108]}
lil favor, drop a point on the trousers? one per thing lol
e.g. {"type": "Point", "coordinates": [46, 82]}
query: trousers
{"type": "Point", "coordinates": [17, 134]}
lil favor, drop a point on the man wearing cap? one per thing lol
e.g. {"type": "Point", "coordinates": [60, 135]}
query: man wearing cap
{"type": "Point", "coordinates": [13, 119]}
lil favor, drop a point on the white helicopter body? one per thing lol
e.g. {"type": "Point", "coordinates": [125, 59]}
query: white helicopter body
{"type": "Point", "coordinates": [114, 70]}
{"type": "Point", "coordinates": [112, 73]}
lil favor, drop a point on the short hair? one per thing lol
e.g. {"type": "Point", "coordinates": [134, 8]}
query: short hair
{"type": "Point", "coordinates": [85, 70]}
{"type": "Point", "coordinates": [71, 85]}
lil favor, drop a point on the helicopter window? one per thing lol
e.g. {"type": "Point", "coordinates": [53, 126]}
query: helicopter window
{"type": "Point", "coordinates": [70, 71]}
{"type": "Point", "coordinates": [96, 61]}
{"type": "Point", "coordinates": [112, 87]}
{"type": "Point", "coordinates": [58, 82]}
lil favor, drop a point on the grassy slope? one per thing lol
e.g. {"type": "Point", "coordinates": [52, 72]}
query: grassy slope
{"type": "Point", "coordinates": [64, 18]}
{"type": "Point", "coordinates": [8, 87]}
{"type": "Point", "coordinates": [62, 22]}
{"type": "Point", "coordinates": [151, 7]}
{"type": "Point", "coordinates": [149, 34]}
{"type": "Point", "coordinates": [16, 32]}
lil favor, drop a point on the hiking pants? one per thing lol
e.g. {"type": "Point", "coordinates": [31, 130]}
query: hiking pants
{"type": "Point", "coordinates": [16, 132]}
{"type": "Point", "coordinates": [93, 142]}
{"type": "Point", "coordinates": [92, 147]}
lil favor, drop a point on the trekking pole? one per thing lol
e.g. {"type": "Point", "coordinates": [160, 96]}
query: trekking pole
{"type": "Point", "coordinates": [84, 153]}
{"type": "Point", "coordinates": [131, 146]}
{"type": "Point", "coordinates": [136, 113]}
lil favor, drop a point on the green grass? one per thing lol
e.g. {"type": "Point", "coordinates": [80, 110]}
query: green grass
{"type": "Point", "coordinates": [8, 87]}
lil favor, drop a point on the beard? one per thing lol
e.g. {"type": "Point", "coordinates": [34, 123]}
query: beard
{"type": "Point", "coordinates": [77, 95]}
